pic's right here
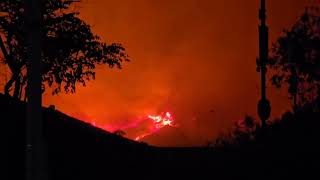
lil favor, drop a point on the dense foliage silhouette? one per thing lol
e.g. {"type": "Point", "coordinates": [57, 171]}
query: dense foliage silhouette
{"type": "Point", "coordinates": [296, 58]}
{"type": "Point", "coordinates": [70, 50]}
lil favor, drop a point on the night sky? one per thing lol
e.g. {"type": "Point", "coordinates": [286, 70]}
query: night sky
{"type": "Point", "coordinates": [193, 58]}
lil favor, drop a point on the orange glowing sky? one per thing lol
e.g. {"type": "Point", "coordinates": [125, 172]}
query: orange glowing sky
{"type": "Point", "coordinates": [188, 57]}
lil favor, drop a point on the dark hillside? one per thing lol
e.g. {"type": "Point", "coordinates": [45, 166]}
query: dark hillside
{"type": "Point", "coordinates": [289, 148]}
{"type": "Point", "coordinates": [77, 150]}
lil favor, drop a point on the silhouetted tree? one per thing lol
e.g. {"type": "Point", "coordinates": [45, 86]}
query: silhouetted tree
{"type": "Point", "coordinates": [70, 50]}
{"type": "Point", "coordinates": [295, 58]}
{"type": "Point", "coordinates": [244, 130]}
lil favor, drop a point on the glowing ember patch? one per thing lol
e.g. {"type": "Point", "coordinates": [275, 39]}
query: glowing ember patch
{"type": "Point", "coordinates": [158, 122]}
{"type": "Point", "coordinates": [162, 120]}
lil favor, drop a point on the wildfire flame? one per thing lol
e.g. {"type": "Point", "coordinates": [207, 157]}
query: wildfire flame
{"type": "Point", "coordinates": [159, 121]}
{"type": "Point", "coordinates": [149, 123]}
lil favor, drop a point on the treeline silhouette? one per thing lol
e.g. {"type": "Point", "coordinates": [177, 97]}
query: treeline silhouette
{"type": "Point", "coordinates": [287, 148]}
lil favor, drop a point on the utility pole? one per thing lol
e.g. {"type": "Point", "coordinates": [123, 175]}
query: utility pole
{"type": "Point", "coordinates": [36, 150]}
{"type": "Point", "coordinates": [264, 107]}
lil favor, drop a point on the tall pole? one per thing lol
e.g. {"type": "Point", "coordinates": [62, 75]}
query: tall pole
{"type": "Point", "coordinates": [36, 152]}
{"type": "Point", "coordinates": [264, 107]}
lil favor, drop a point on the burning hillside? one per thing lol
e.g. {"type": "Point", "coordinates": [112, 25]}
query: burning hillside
{"type": "Point", "coordinates": [158, 122]}
{"type": "Point", "coordinates": [140, 127]}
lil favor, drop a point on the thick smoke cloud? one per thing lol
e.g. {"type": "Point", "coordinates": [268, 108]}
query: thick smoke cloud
{"type": "Point", "coordinates": [194, 58]}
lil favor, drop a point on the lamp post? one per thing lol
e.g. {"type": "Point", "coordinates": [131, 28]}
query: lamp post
{"type": "Point", "coordinates": [264, 107]}
{"type": "Point", "coordinates": [36, 152]}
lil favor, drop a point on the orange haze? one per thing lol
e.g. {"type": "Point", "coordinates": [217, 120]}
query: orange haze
{"type": "Point", "coordinates": [194, 58]}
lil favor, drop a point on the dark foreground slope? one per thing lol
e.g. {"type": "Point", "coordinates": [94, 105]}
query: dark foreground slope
{"type": "Point", "coordinates": [76, 149]}
{"type": "Point", "coordinates": [79, 151]}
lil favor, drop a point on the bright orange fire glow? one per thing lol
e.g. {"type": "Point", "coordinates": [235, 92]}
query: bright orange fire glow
{"type": "Point", "coordinates": [166, 43]}
{"type": "Point", "coordinates": [159, 121]}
